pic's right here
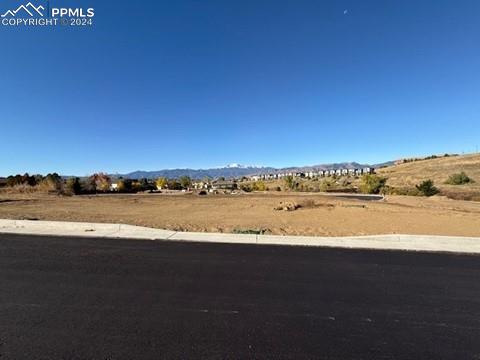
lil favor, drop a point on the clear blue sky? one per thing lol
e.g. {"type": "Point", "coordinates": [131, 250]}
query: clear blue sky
{"type": "Point", "coordinates": [165, 84]}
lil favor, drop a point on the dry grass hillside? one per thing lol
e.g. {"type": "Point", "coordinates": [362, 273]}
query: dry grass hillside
{"type": "Point", "coordinates": [438, 170]}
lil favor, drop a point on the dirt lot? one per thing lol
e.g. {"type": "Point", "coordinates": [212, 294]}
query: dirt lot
{"type": "Point", "coordinates": [320, 215]}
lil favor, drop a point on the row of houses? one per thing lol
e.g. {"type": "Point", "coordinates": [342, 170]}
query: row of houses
{"type": "Point", "coordinates": [232, 184]}
{"type": "Point", "coordinates": [216, 185]}
{"type": "Point", "coordinates": [315, 174]}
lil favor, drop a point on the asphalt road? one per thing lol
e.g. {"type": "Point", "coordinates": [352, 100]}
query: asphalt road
{"type": "Point", "coordinates": [363, 197]}
{"type": "Point", "coordinates": [66, 298]}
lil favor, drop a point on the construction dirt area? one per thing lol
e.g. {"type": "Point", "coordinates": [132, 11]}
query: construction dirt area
{"type": "Point", "coordinates": [270, 213]}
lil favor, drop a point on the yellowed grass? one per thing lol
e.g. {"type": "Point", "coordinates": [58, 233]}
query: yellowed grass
{"type": "Point", "coordinates": [438, 170]}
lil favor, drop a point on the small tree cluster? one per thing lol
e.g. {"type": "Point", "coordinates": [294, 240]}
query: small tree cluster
{"type": "Point", "coordinates": [24, 179]}
{"type": "Point", "coordinates": [290, 182]}
{"type": "Point", "coordinates": [372, 184]}
{"type": "Point", "coordinates": [174, 184]}
{"type": "Point", "coordinates": [101, 182]}
{"type": "Point", "coordinates": [182, 183]}
{"type": "Point", "coordinates": [32, 180]}
{"type": "Point", "coordinates": [259, 186]}
{"type": "Point", "coordinates": [185, 182]}
{"type": "Point", "coordinates": [73, 186]}
{"type": "Point", "coordinates": [51, 182]}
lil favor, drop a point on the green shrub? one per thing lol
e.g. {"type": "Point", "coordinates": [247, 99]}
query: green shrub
{"type": "Point", "coordinates": [427, 188]}
{"type": "Point", "coordinates": [459, 179]}
{"type": "Point", "coordinates": [372, 184]}
{"type": "Point", "coordinates": [245, 187]}
{"type": "Point", "coordinates": [174, 185]}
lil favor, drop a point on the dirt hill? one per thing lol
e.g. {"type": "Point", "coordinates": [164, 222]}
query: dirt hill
{"type": "Point", "coordinates": [439, 169]}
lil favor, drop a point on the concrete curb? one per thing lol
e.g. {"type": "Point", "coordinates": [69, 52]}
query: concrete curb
{"type": "Point", "coordinates": [61, 228]}
{"type": "Point", "coordinates": [455, 244]}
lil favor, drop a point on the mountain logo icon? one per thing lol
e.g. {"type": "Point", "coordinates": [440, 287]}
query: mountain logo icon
{"type": "Point", "coordinates": [30, 9]}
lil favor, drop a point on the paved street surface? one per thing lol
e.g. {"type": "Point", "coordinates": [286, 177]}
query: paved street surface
{"type": "Point", "coordinates": [64, 298]}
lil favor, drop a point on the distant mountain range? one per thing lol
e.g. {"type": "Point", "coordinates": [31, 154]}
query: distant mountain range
{"type": "Point", "coordinates": [237, 170]}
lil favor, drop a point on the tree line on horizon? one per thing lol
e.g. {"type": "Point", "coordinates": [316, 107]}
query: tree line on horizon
{"type": "Point", "coordinates": [102, 183]}
{"type": "Point", "coordinates": [95, 183]}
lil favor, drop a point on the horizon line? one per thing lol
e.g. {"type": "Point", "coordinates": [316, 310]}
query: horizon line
{"type": "Point", "coordinates": [442, 154]}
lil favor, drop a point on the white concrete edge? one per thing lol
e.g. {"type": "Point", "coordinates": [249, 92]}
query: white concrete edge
{"type": "Point", "coordinates": [429, 243]}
